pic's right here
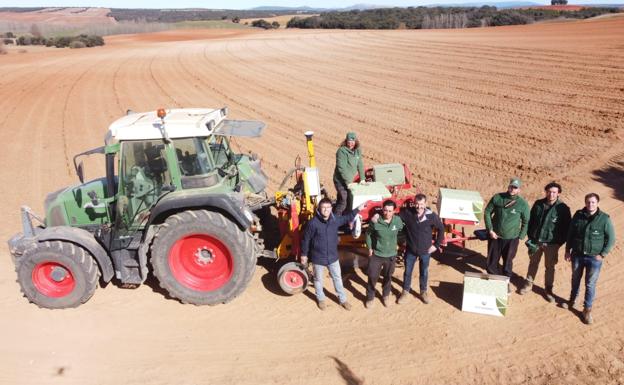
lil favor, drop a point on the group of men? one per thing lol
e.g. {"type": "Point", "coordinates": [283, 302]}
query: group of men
{"type": "Point", "coordinates": [320, 242]}
{"type": "Point", "coordinates": [588, 237]}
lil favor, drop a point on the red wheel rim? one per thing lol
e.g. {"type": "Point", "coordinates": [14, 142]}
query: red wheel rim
{"type": "Point", "coordinates": [200, 262]}
{"type": "Point", "coordinates": [53, 279]}
{"type": "Point", "coordinates": [293, 279]}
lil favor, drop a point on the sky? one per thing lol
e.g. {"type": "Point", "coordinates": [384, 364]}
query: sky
{"type": "Point", "coordinates": [246, 4]}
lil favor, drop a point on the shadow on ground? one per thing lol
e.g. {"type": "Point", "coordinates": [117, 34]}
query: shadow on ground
{"type": "Point", "coordinates": [450, 292]}
{"type": "Point", "coordinates": [612, 176]}
{"type": "Point", "coordinates": [346, 373]}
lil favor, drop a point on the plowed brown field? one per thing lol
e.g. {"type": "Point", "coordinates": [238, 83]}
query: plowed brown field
{"type": "Point", "coordinates": [78, 17]}
{"type": "Point", "coordinates": [464, 108]}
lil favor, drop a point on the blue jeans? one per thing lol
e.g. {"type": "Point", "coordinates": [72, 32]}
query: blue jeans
{"type": "Point", "coordinates": [423, 265]}
{"type": "Point", "coordinates": [336, 276]}
{"type": "Point", "coordinates": [592, 267]}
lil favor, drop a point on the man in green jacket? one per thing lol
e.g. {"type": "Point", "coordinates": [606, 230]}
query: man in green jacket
{"type": "Point", "coordinates": [506, 220]}
{"type": "Point", "coordinates": [382, 242]}
{"type": "Point", "coordinates": [348, 164]}
{"type": "Point", "coordinates": [548, 230]}
{"type": "Point", "coordinates": [590, 238]}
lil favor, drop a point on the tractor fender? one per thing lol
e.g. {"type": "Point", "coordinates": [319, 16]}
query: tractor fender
{"type": "Point", "coordinates": [231, 205]}
{"type": "Point", "coordinates": [82, 238]}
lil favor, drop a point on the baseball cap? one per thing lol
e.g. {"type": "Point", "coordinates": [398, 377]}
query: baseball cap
{"type": "Point", "coordinates": [351, 135]}
{"type": "Point", "coordinates": [515, 182]}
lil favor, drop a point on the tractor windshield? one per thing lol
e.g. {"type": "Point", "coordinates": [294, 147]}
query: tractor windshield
{"type": "Point", "coordinates": [220, 149]}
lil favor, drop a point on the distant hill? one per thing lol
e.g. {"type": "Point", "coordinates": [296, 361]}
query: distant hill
{"type": "Point", "coordinates": [497, 4]}
{"type": "Point", "coordinates": [270, 8]}
{"type": "Point", "coordinates": [359, 7]}
{"type": "Point", "coordinates": [363, 6]}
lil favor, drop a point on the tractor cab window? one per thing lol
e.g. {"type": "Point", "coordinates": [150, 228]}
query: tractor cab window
{"type": "Point", "coordinates": [193, 156]}
{"type": "Point", "coordinates": [220, 149]}
{"type": "Point", "coordinates": [144, 172]}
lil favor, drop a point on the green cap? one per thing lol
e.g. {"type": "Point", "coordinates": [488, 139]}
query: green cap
{"type": "Point", "coordinates": [351, 136]}
{"type": "Point", "coordinates": [515, 182]}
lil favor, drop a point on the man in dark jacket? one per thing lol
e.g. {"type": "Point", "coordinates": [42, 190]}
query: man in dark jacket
{"type": "Point", "coordinates": [506, 219]}
{"type": "Point", "coordinates": [548, 230]}
{"type": "Point", "coordinates": [320, 243]}
{"type": "Point", "coordinates": [420, 223]}
{"type": "Point", "coordinates": [348, 164]}
{"type": "Point", "coordinates": [590, 238]}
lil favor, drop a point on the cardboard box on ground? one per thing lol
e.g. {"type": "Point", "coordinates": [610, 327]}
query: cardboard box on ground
{"type": "Point", "coordinates": [485, 294]}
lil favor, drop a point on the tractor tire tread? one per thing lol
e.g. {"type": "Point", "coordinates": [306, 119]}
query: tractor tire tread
{"type": "Point", "coordinates": [221, 228]}
{"type": "Point", "coordinates": [69, 253]}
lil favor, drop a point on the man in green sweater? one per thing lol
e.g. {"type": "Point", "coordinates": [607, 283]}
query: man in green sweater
{"type": "Point", "coordinates": [548, 230]}
{"type": "Point", "coordinates": [348, 164]}
{"type": "Point", "coordinates": [382, 241]}
{"type": "Point", "coordinates": [590, 238]}
{"type": "Point", "coordinates": [506, 220]}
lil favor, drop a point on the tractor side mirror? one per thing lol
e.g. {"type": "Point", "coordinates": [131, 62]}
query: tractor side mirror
{"type": "Point", "coordinates": [80, 172]}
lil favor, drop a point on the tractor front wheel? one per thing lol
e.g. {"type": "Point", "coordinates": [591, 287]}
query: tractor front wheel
{"type": "Point", "coordinates": [202, 258]}
{"type": "Point", "coordinates": [57, 275]}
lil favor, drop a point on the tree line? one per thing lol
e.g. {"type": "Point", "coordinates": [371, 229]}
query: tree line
{"type": "Point", "coordinates": [178, 15]}
{"type": "Point", "coordinates": [36, 38]}
{"type": "Point", "coordinates": [437, 17]}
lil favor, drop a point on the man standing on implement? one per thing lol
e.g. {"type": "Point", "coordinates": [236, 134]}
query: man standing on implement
{"type": "Point", "coordinates": [381, 240]}
{"type": "Point", "coordinates": [348, 164]}
{"type": "Point", "coordinates": [590, 238]}
{"type": "Point", "coordinates": [548, 230]}
{"type": "Point", "coordinates": [506, 220]}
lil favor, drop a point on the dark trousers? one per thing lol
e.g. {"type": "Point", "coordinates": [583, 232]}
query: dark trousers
{"type": "Point", "coordinates": [498, 248]}
{"type": "Point", "coordinates": [342, 196]}
{"type": "Point", "coordinates": [375, 266]}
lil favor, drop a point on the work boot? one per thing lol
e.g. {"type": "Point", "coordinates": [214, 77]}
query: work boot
{"type": "Point", "coordinates": [424, 297]}
{"type": "Point", "coordinates": [528, 286]}
{"type": "Point", "coordinates": [587, 317]}
{"type": "Point", "coordinates": [369, 303]}
{"type": "Point", "coordinates": [346, 305]}
{"type": "Point", "coordinates": [569, 304]}
{"type": "Point", "coordinates": [550, 297]}
{"type": "Point", "coordinates": [322, 305]}
{"type": "Point", "coordinates": [403, 297]}
{"type": "Point", "coordinates": [386, 301]}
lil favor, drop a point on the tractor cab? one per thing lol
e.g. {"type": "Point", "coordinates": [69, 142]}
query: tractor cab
{"type": "Point", "coordinates": [153, 154]}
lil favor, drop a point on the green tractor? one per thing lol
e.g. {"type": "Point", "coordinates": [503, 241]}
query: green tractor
{"type": "Point", "coordinates": [175, 198]}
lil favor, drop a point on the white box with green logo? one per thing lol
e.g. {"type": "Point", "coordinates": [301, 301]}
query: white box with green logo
{"type": "Point", "coordinates": [485, 294]}
{"type": "Point", "coordinates": [462, 205]}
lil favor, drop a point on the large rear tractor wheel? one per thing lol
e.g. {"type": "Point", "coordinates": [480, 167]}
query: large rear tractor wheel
{"type": "Point", "coordinates": [57, 275]}
{"type": "Point", "coordinates": [202, 258]}
{"type": "Point", "coordinates": [293, 278]}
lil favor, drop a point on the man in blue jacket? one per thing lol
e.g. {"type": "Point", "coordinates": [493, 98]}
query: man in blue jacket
{"type": "Point", "coordinates": [320, 243]}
